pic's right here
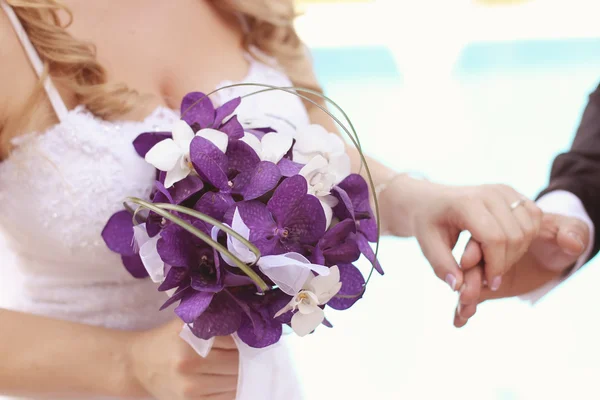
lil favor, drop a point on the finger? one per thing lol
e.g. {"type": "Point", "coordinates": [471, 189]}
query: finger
{"type": "Point", "coordinates": [220, 362]}
{"type": "Point", "coordinates": [225, 342]}
{"type": "Point", "coordinates": [536, 214]}
{"type": "Point", "coordinates": [438, 251]}
{"type": "Point", "coordinates": [561, 241]}
{"type": "Point", "coordinates": [485, 230]}
{"type": "Point", "coordinates": [471, 289]}
{"type": "Point", "coordinates": [528, 217]}
{"type": "Point", "coordinates": [466, 311]}
{"type": "Point", "coordinates": [572, 237]}
{"type": "Point", "coordinates": [221, 396]}
{"type": "Point", "coordinates": [499, 206]}
{"type": "Point", "coordinates": [459, 322]}
{"type": "Point", "coordinates": [212, 385]}
{"type": "Point", "coordinates": [472, 256]}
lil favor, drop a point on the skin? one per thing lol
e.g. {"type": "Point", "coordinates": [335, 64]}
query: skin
{"type": "Point", "coordinates": [127, 364]}
{"type": "Point", "coordinates": [561, 241]}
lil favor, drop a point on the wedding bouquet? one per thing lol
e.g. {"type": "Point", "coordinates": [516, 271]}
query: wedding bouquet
{"type": "Point", "coordinates": [248, 228]}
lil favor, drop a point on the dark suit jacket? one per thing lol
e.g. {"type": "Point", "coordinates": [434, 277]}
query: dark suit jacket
{"type": "Point", "coordinates": [578, 170]}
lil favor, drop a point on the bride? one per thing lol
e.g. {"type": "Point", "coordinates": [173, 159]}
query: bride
{"type": "Point", "coordinates": [78, 325]}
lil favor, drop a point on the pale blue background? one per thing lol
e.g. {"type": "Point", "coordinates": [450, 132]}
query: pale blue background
{"type": "Point", "coordinates": [502, 116]}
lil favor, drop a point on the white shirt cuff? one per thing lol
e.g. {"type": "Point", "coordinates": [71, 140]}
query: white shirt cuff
{"type": "Point", "coordinates": [567, 204]}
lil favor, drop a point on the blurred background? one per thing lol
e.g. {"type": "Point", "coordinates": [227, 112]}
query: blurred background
{"type": "Point", "coordinates": [467, 92]}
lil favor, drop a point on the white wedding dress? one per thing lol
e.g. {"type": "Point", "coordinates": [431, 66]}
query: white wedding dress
{"type": "Point", "coordinates": [57, 190]}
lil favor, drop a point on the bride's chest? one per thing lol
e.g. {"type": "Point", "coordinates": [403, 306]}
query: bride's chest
{"type": "Point", "coordinates": [164, 49]}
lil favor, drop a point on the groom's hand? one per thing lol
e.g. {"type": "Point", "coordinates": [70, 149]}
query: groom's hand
{"type": "Point", "coordinates": [561, 241]}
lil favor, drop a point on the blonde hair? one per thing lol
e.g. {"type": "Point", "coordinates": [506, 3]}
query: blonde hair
{"type": "Point", "coordinates": [72, 63]}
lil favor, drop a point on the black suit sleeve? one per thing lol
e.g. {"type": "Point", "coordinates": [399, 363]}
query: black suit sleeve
{"type": "Point", "coordinates": [578, 170]}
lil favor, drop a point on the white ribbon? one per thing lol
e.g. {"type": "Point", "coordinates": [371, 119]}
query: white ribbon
{"type": "Point", "coordinates": [265, 374]}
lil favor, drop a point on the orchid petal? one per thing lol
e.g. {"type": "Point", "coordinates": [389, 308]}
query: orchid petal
{"type": "Point", "coordinates": [303, 324]}
{"type": "Point", "coordinates": [269, 334]}
{"type": "Point", "coordinates": [193, 305]}
{"type": "Point", "coordinates": [243, 253]}
{"type": "Point", "coordinates": [352, 286]}
{"type": "Point", "coordinates": [340, 166]}
{"type": "Point", "coordinates": [182, 133]}
{"type": "Point", "coordinates": [287, 308]}
{"type": "Point", "coordinates": [367, 250]}
{"type": "Point", "coordinates": [311, 139]}
{"type": "Point", "coordinates": [209, 162]}
{"type": "Point", "coordinates": [222, 317]}
{"type": "Point", "coordinates": [197, 108]}
{"type": "Point", "coordinates": [118, 233]}
{"type": "Point", "coordinates": [133, 265]}
{"type": "Point", "coordinates": [232, 128]}
{"type": "Point", "coordinates": [315, 164]}
{"type": "Point", "coordinates": [335, 144]}
{"type": "Point", "coordinates": [275, 146]}
{"type": "Point", "coordinates": [287, 196]}
{"type": "Point", "coordinates": [178, 173]}
{"type": "Point", "coordinates": [165, 155]}
{"type": "Point", "coordinates": [252, 184]}
{"type": "Point", "coordinates": [216, 137]}
{"type": "Point", "coordinates": [173, 278]}
{"type": "Point", "coordinates": [226, 110]}
{"type": "Point", "coordinates": [308, 306]}
{"type": "Point", "coordinates": [253, 142]}
{"type": "Point", "coordinates": [144, 142]}
{"type": "Point", "coordinates": [288, 167]}
{"type": "Point", "coordinates": [328, 213]}
{"type": "Point", "coordinates": [214, 233]}
{"type": "Point", "coordinates": [326, 286]}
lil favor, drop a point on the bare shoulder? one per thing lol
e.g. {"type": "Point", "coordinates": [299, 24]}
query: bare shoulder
{"type": "Point", "coordinates": [17, 79]}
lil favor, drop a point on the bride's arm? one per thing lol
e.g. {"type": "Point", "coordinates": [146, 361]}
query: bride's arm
{"type": "Point", "coordinates": [45, 357]}
{"type": "Point", "coordinates": [436, 214]}
{"type": "Point", "coordinates": [41, 356]}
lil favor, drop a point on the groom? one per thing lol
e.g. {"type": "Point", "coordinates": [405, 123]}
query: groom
{"type": "Point", "coordinates": [567, 239]}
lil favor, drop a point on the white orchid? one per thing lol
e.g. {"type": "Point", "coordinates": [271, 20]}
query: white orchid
{"type": "Point", "coordinates": [272, 147]}
{"type": "Point", "coordinates": [313, 140]}
{"type": "Point", "coordinates": [317, 291]}
{"type": "Point", "coordinates": [288, 271]}
{"type": "Point", "coordinates": [254, 119]}
{"type": "Point", "coordinates": [327, 163]}
{"type": "Point", "coordinates": [149, 253]}
{"type": "Point", "coordinates": [173, 155]}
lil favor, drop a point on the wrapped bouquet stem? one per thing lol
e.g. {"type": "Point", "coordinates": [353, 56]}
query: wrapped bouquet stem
{"type": "Point", "coordinates": [252, 226]}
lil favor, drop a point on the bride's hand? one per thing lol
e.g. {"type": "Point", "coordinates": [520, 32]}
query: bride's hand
{"type": "Point", "coordinates": [436, 215]}
{"type": "Point", "coordinates": [167, 368]}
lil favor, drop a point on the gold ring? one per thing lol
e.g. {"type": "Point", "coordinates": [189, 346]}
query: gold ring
{"type": "Point", "coordinates": [517, 204]}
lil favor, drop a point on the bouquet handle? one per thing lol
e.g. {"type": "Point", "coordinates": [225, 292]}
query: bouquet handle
{"type": "Point", "coordinates": [265, 374]}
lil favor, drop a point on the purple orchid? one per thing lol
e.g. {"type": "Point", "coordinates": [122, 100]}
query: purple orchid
{"type": "Point", "coordinates": [354, 203]}
{"type": "Point", "coordinates": [352, 286]}
{"type": "Point", "coordinates": [199, 112]}
{"type": "Point", "coordinates": [178, 194]}
{"type": "Point", "coordinates": [213, 166]}
{"type": "Point", "coordinates": [292, 220]}
{"type": "Point", "coordinates": [195, 268]}
{"type": "Point", "coordinates": [338, 246]}
{"type": "Point", "coordinates": [118, 234]}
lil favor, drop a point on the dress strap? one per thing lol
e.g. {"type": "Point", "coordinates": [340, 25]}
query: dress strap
{"type": "Point", "coordinates": [57, 103]}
